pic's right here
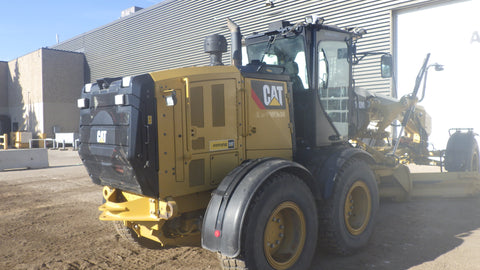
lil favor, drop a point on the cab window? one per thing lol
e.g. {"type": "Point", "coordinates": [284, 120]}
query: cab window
{"type": "Point", "coordinates": [333, 81]}
{"type": "Point", "coordinates": [287, 52]}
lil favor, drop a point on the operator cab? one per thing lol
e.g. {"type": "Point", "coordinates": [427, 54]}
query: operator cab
{"type": "Point", "coordinates": [317, 58]}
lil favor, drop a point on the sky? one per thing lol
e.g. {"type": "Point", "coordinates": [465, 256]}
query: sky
{"type": "Point", "coordinates": [28, 25]}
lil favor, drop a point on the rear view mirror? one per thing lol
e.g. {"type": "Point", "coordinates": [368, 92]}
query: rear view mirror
{"type": "Point", "coordinates": [386, 66]}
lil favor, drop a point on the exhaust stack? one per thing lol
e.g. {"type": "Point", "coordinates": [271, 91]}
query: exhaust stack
{"type": "Point", "coordinates": [236, 37]}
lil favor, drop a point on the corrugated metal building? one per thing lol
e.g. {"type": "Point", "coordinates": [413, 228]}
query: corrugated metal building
{"type": "Point", "coordinates": [171, 34]}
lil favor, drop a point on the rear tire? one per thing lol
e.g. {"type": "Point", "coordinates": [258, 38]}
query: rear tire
{"type": "Point", "coordinates": [131, 236]}
{"type": "Point", "coordinates": [281, 227]}
{"type": "Point", "coordinates": [461, 154]}
{"type": "Point", "coordinates": [230, 263]}
{"type": "Point", "coordinates": [347, 217]}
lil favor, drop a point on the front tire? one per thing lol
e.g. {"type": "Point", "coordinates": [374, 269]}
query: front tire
{"type": "Point", "coordinates": [461, 154]}
{"type": "Point", "coordinates": [280, 228]}
{"type": "Point", "coordinates": [347, 216]}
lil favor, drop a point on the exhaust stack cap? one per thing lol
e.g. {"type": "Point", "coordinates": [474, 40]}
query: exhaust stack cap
{"type": "Point", "coordinates": [215, 45]}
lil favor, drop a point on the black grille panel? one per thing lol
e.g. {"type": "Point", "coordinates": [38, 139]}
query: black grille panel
{"type": "Point", "coordinates": [117, 143]}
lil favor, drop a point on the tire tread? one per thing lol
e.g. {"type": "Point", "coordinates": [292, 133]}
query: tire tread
{"type": "Point", "coordinates": [231, 263]}
{"type": "Point", "coordinates": [242, 262]}
{"type": "Point", "coordinates": [130, 236]}
{"type": "Point", "coordinates": [328, 234]}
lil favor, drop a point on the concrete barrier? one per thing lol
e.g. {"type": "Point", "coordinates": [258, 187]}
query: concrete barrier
{"type": "Point", "coordinates": [23, 158]}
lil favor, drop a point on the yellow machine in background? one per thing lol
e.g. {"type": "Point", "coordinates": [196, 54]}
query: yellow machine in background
{"type": "Point", "coordinates": [257, 162]}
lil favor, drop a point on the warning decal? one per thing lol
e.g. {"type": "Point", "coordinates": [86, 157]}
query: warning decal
{"type": "Point", "coordinates": [268, 95]}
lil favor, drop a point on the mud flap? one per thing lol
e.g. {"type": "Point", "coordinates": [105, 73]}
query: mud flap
{"type": "Point", "coordinates": [223, 221]}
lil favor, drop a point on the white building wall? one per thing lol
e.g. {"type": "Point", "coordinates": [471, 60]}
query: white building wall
{"type": "Point", "coordinates": [3, 88]}
{"type": "Point", "coordinates": [25, 90]}
{"type": "Point", "coordinates": [43, 87]}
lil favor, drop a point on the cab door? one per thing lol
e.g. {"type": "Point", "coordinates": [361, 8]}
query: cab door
{"type": "Point", "coordinates": [269, 126]}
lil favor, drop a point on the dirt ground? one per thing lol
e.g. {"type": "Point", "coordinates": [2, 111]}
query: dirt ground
{"type": "Point", "coordinates": [49, 220]}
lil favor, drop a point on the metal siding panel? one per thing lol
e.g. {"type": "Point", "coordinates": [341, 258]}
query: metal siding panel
{"type": "Point", "coordinates": [170, 34]}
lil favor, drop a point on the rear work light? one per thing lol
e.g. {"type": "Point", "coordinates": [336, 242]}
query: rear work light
{"type": "Point", "coordinates": [88, 87]}
{"type": "Point", "coordinates": [126, 81]}
{"type": "Point", "coordinates": [83, 103]}
{"type": "Point", "coordinates": [120, 99]}
{"type": "Point", "coordinates": [172, 99]}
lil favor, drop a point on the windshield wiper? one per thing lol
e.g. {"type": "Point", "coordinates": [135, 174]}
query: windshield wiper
{"type": "Point", "coordinates": [270, 42]}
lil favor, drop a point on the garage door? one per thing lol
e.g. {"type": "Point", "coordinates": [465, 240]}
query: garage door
{"type": "Point", "coordinates": [450, 32]}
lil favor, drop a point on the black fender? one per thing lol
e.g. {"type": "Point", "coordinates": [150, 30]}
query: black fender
{"type": "Point", "coordinates": [328, 172]}
{"type": "Point", "coordinates": [226, 211]}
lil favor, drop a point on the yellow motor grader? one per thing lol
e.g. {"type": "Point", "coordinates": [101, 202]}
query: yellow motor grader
{"type": "Point", "coordinates": [261, 163]}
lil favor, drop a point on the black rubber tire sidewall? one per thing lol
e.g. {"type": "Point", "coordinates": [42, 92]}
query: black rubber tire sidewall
{"type": "Point", "coordinates": [460, 152]}
{"type": "Point", "coordinates": [336, 237]}
{"type": "Point", "coordinates": [280, 188]}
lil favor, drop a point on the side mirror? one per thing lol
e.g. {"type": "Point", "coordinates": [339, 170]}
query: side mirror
{"type": "Point", "coordinates": [386, 66]}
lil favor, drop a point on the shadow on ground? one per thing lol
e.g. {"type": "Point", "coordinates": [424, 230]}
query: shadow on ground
{"type": "Point", "coordinates": [411, 233]}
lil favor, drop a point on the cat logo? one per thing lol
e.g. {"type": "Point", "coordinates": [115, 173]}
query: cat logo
{"type": "Point", "coordinates": [101, 136]}
{"type": "Point", "coordinates": [272, 95]}
{"type": "Point", "coordinates": [268, 95]}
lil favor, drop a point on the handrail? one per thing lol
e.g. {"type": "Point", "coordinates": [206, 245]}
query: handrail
{"type": "Point", "coordinates": [188, 142]}
{"type": "Point", "coordinates": [187, 87]}
{"type": "Point", "coordinates": [54, 144]}
{"type": "Point", "coordinates": [76, 144]}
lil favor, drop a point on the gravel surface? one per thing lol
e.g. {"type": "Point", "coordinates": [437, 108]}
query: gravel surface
{"type": "Point", "coordinates": [50, 221]}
